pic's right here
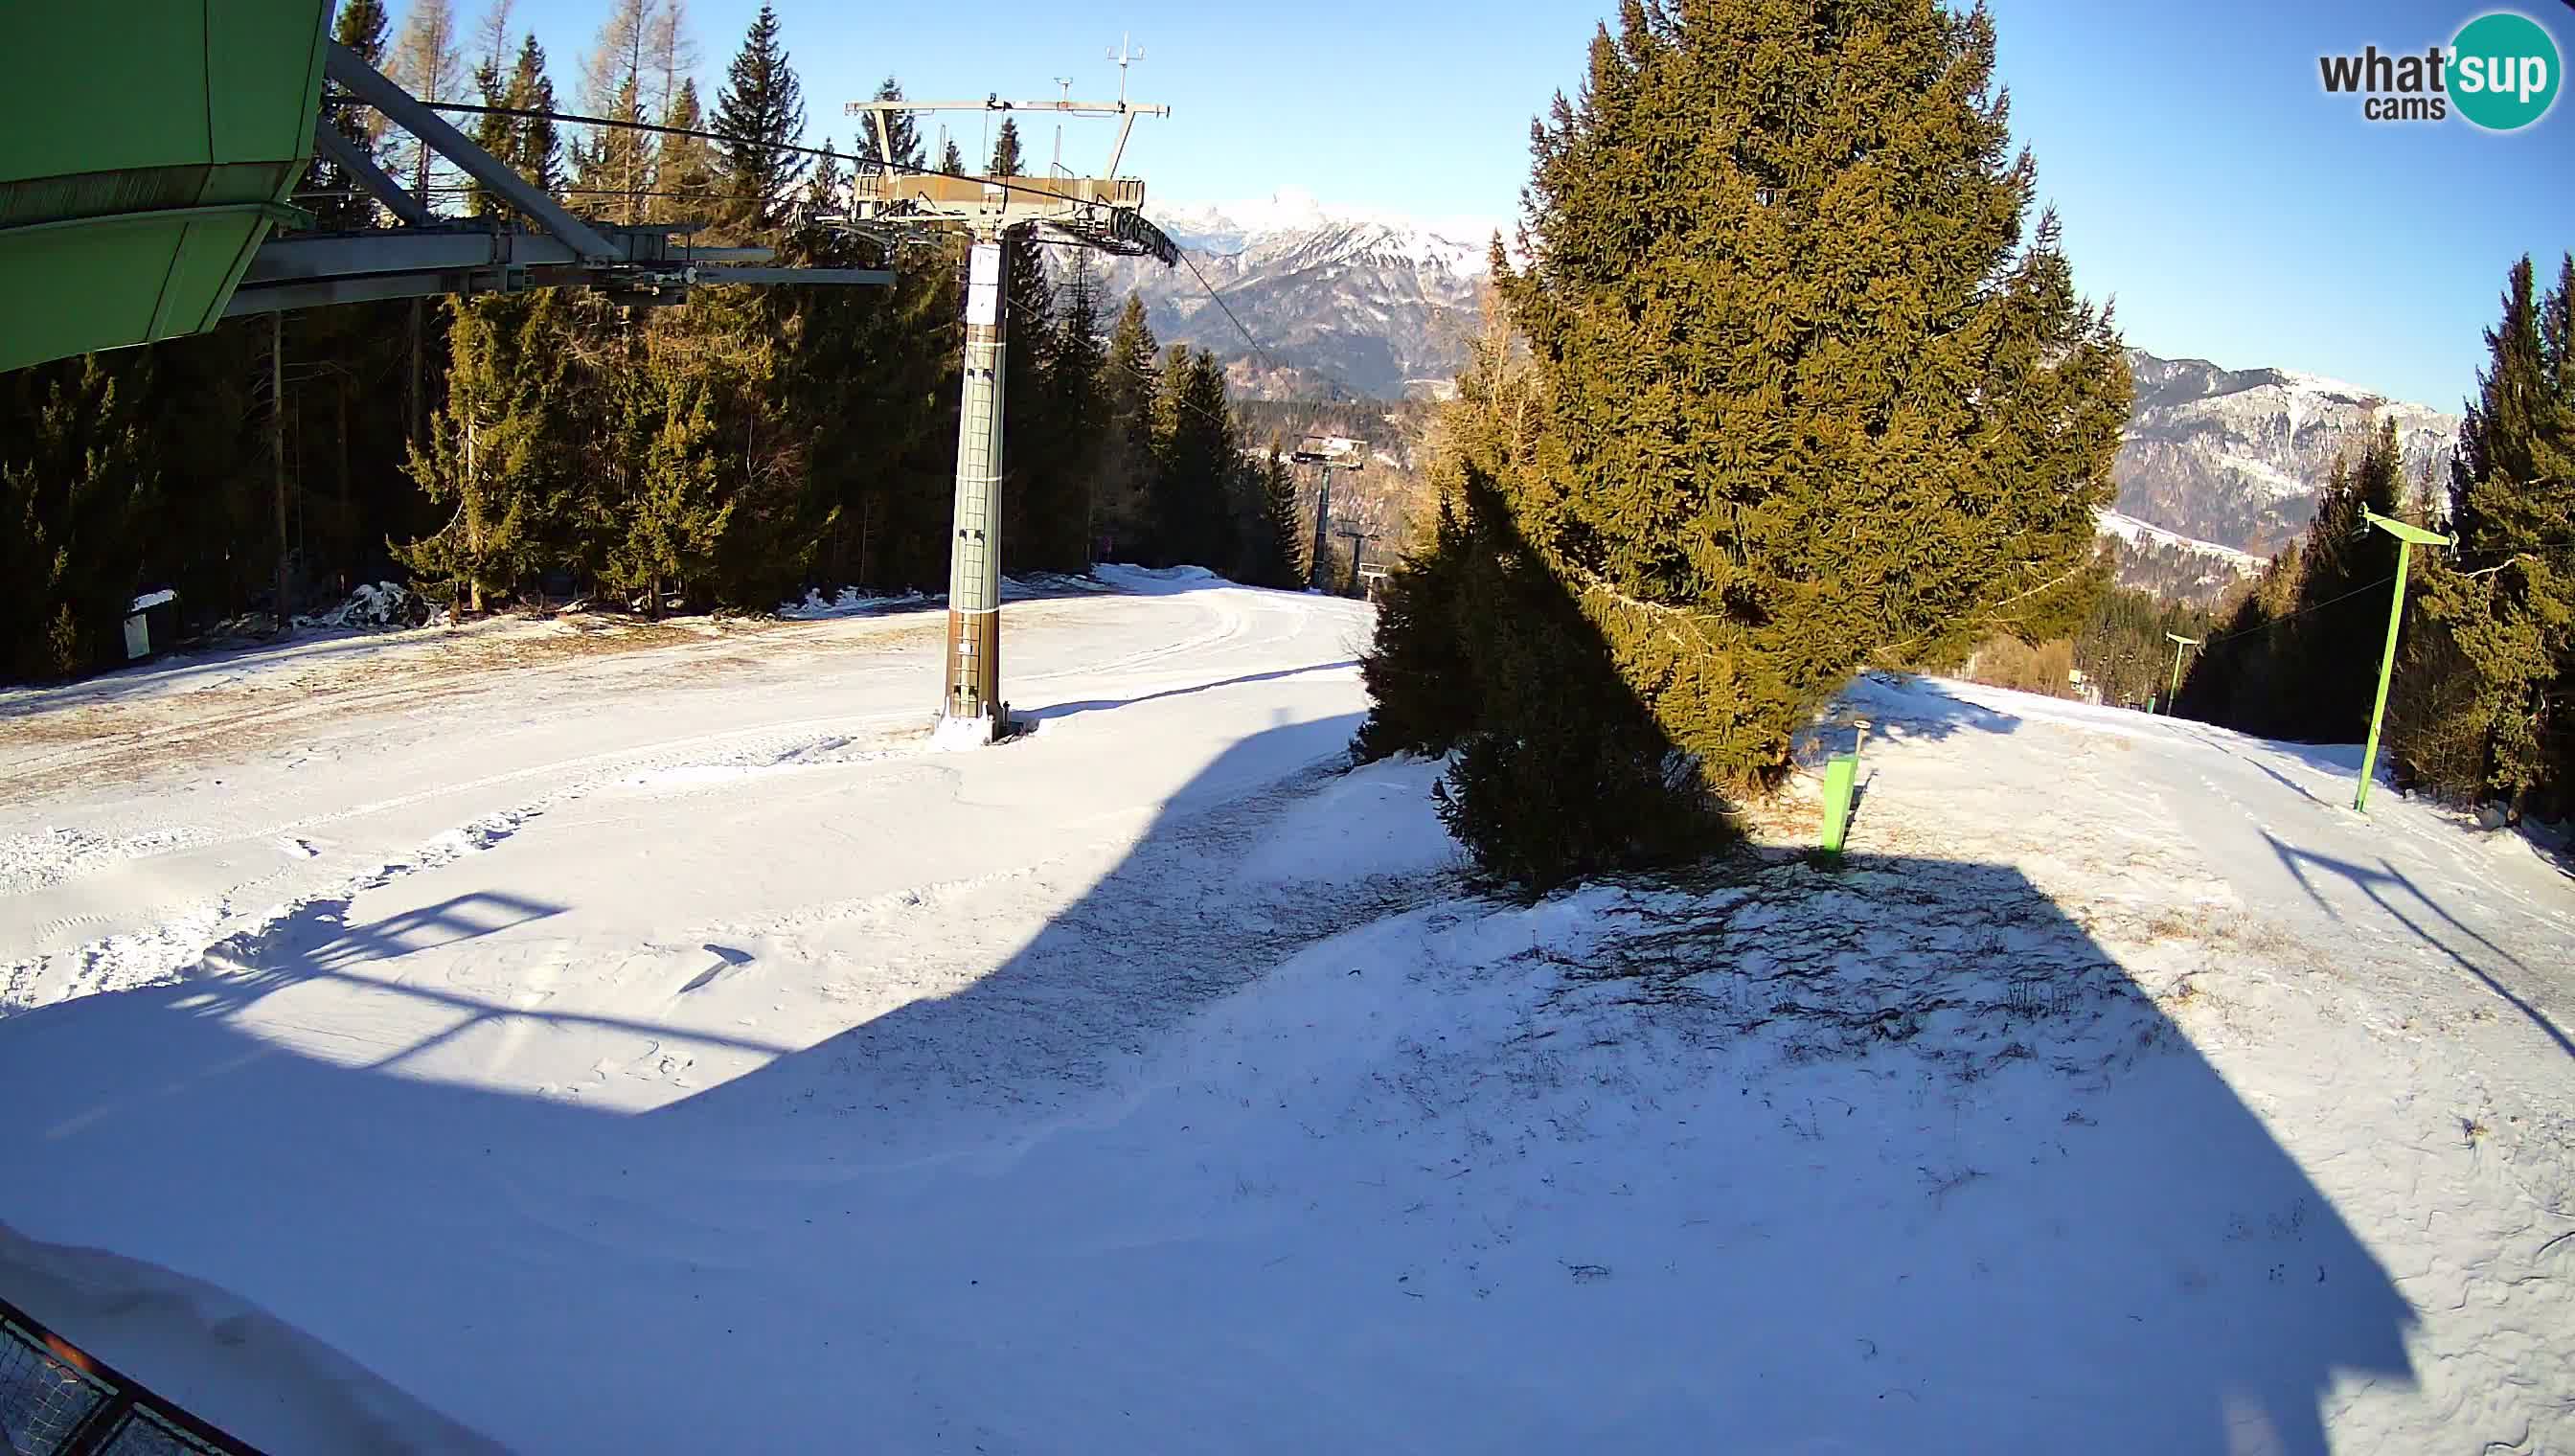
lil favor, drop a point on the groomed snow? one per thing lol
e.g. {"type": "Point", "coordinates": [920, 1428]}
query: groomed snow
{"type": "Point", "coordinates": [610, 1039]}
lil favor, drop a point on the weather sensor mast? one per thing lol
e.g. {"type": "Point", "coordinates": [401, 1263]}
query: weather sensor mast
{"type": "Point", "coordinates": [1102, 213]}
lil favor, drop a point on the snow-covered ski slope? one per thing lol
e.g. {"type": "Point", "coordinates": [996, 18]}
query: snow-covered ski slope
{"type": "Point", "coordinates": [615, 1041]}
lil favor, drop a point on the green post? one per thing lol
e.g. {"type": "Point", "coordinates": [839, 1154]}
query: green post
{"type": "Point", "coordinates": [2407, 538]}
{"type": "Point", "coordinates": [2179, 641]}
{"type": "Point", "coordinates": [1839, 776]}
{"type": "Point", "coordinates": [1841, 780]}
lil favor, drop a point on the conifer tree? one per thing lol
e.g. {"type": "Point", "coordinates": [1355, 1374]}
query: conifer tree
{"type": "Point", "coordinates": [1131, 388]}
{"type": "Point", "coordinates": [688, 172]}
{"type": "Point", "coordinates": [491, 133]}
{"type": "Point", "coordinates": [1421, 681]}
{"type": "Point", "coordinates": [951, 160]}
{"type": "Point", "coordinates": [537, 145]}
{"type": "Point", "coordinates": [677, 514]}
{"type": "Point", "coordinates": [492, 39]}
{"type": "Point", "coordinates": [1271, 541]}
{"type": "Point", "coordinates": [1192, 495]}
{"type": "Point", "coordinates": [337, 202]}
{"type": "Point", "coordinates": [75, 487]}
{"type": "Point", "coordinates": [1041, 494]}
{"type": "Point", "coordinates": [900, 128]}
{"type": "Point", "coordinates": [613, 168]}
{"type": "Point", "coordinates": [826, 188]}
{"type": "Point", "coordinates": [2486, 700]}
{"type": "Point", "coordinates": [761, 114]}
{"type": "Point", "coordinates": [1079, 394]}
{"type": "Point", "coordinates": [671, 55]}
{"type": "Point", "coordinates": [428, 63]}
{"type": "Point", "coordinates": [1006, 151]}
{"type": "Point", "coordinates": [614, 172]}
{"type": "Point", "coordinates": [1811, 392]}
{"type": "Point", "coordinates": [496, 449]}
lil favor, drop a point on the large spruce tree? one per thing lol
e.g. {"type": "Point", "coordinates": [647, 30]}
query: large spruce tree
{"type": "Point", "coordinates": [1006, 161]}
{"type": "Point", "coordinates": [761, 115]}
{"type": "Point", "coordinates": [1195, 464]}
{"type": "Point", "coordinates": [1809, 390]}
{"type": "Point", "coordinates": [1121, 512]}
{"type": "Point", "coordinates": [688, 172]}
{"type": "Point", "coordinates": [498, 451]}
{"type": "Point", "coordinates": [2486, 703]}
{"type": "Point", "coordinates": [1271, 543]}
{"type": "Point", "coordinates": [901, 129]}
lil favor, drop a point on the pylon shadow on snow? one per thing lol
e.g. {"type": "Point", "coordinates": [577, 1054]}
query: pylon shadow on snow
{"type": "Point", "coordinates": [2382, 886]}
{"type": "Point", "coordinates": [1102, 704]}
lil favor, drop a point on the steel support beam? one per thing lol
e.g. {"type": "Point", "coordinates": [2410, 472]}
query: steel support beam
{"type": "Point", "coordinates": [278, 298]}
{"type": "Point", "coordinates": [346, 156]}
{"type": "Point", "coordinates": [853, 277]}
{"type": "Point", "coordinates": [369, 85]}
{"type": "Point", "coordinates": [482, 245]}
{"type": "Point", "coordinates": [400, 250]}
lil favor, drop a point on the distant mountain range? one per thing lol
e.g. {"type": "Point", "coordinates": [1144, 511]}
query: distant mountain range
{"type": "Point", "coordinates": [2218, 469]}
{"type": "Point", "coordinates": [1345, 301]}
{"type": "Point", "coordinates": [2236, 457]}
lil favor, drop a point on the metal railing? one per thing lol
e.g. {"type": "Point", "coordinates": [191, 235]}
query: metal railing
{"type": "Point", "coordinates": [57, 1400]}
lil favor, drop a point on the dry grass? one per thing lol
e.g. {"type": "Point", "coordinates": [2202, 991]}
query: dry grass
{"type": "Point", "coordinates": [2008, 662]}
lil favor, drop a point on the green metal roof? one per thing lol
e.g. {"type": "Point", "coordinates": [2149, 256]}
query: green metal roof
{"type": "Point", "coordinates": [146, 151]}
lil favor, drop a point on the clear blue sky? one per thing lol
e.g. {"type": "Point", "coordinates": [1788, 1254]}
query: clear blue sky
{"type": "Point", "coordinates": [2234, 211]}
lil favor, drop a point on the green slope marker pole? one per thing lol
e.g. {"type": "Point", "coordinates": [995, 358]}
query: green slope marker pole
{"type": "Point", "coordinates": [1840, 776]}
{"type": "Point", "coordinates": [2407, 538]}
{"type": "Point", "coordinates": [2179, 642]}
{"type": "Point", "coordinates": [1841, 783]}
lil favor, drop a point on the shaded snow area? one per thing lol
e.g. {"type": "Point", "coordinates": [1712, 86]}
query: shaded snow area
{"type": "Point", "coordinates": [640, 1041]}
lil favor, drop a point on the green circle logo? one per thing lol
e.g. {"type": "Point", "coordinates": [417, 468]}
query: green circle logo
{"type": "Point", "coordinates": [2504, 72]}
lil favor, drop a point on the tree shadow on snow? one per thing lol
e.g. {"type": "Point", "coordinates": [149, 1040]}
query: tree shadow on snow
{"type": "Point", "coordinates": [1101, 1199]}
{"type": "Point", "coordinates": [1910, 707]}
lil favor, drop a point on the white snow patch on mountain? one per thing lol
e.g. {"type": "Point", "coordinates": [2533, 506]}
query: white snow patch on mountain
{"type": "Point", "coordinates": [1452, 245]}
{"type": "Point", "coordinates": [2265, 475]}
{"type": "Point", "coordinates": [2131, 529]}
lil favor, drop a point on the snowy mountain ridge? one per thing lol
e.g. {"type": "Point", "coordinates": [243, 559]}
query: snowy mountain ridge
{"type": "Point", "coordinates": [1293, 220]}
{"type": "Point", "coordinates": [2237, 456]}
{"type": "Point", "coordinates": [1347, 302]}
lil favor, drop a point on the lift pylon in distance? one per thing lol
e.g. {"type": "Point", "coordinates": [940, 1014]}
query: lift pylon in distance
{"type": "Point", "coordinates": [1104, 213]}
